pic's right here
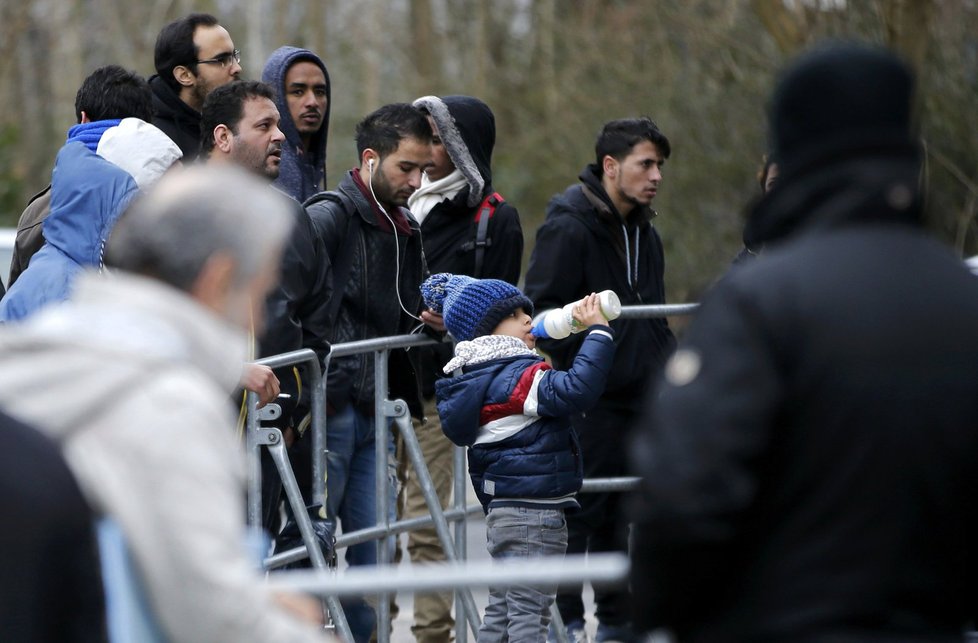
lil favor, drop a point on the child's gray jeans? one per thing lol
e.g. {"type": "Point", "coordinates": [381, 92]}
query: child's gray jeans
{"type": "Point", "coordinates": [521, 613]}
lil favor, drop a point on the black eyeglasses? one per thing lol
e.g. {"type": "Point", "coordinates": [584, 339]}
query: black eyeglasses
{"type": "Point", "coordinates": [223, 59]}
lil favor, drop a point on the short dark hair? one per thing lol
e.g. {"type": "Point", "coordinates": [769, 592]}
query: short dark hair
{"type": "Point", "coordinates": [383, 129]}
{"type": "Point", "coordinates": [175, 46]}
{"type": "Point", "coordinates": [225, 106]}
{"type": "Point", "coordinates": [617, 138]}
{"type": "Point", "coordinates": [114, 92]}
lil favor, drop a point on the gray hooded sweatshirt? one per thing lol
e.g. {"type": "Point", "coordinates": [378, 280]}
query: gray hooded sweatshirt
{"type": "Point", "coordinates": [301, 174]}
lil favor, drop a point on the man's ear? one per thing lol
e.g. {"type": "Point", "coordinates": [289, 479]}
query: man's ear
{"type": "Point", "coordinates": [84, 118]}
{"type": "Point", "coordinates": [184, 76]}
{"type": "Point", "coordinates": [223, 138]}
{"type": "Point", "coordinates": [609, 165]}
{"type": "Point", "coordinates": [370, 159]}
{"type": "Point", "coordinates": [212, 287]}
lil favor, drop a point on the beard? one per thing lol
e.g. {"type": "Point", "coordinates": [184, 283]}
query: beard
{"type": "Point", "coordinates": [384, 192]}
{"type": "Point", "coordinates": [257, 161]}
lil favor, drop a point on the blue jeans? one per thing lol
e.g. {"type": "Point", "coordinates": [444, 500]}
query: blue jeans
{"type": "Point", "coordinates": [521, 613]}
{"type": "Point", "coordinates": [351, 498]}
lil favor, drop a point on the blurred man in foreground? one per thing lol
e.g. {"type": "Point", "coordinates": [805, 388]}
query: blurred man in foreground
{"type": "Point", "coordinates": [809, 460]}
{"type": "Point", "coordinates": [132, 375]}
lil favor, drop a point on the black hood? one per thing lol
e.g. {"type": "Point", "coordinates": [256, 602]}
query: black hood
{"type": "Point", "coordinates": [468, 130]}
{"type": "Point", "coordinates": [880, 187]}
{"type": "Point", "coordinates": [841, 130]}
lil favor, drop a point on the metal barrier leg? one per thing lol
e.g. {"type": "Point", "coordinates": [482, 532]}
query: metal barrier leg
{"type": "Point", "coordinates": [461, 528]}
{"type": "Point", "coordinates": [381, 436]}
{"type": "Point", "coordinates": [557, 623]}
{"type": "Point", "coordinates": [399, 411]}
{"type": "Point", "coordinates": [253, 449]}
{"type": "Point", "coordinates": [318, 428]}
{"type": "Point", "coordinates": [272, 438]}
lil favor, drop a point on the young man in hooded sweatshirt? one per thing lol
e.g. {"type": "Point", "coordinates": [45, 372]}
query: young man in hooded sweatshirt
{"type": "Point", "coordinates": [454, 191]}
{"type": "Point", "coordinates": [302, 95]}
{"type": "Point", "coordinates": [598, 235]}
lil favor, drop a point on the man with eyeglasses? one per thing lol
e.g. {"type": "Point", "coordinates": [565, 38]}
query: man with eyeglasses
{"type": "Point", "coordinates": [194, 56]}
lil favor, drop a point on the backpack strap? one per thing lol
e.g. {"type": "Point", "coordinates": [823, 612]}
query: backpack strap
{"type": "Point", "coordinates": [344, 258]}
{"type": "Point", "coordinates": [484, 212]}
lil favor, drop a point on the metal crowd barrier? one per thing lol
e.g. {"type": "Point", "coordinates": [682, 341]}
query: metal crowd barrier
{"type": "Point", "coordinates": [380, 580]}
{"type": "Point", "coordinates": [551, 570]}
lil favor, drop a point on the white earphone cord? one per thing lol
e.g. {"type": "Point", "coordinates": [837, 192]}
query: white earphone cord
{"type": "Point", "coordinates": [397, 248]}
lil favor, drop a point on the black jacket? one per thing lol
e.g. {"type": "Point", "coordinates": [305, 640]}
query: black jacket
{"type": "Point", "coordinates": [178, 120]}
{"type": "Point", "coordinates": [467, 128]}
{"type": "Point", "coordinates": [582, 248]}
{"type": "Point", "coordinates": [810, 458]}
{"type": "Point", "coordinates": [449, 232]}
{"type": "Point", "coordinates": [370, 306]}
{"type": "Point", "coordinates": [50, 583]}
{"type": "Point", "coordinates": [297, 309]}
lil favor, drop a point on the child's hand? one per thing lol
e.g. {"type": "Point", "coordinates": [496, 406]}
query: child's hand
{"type": "Point", "coordinates": [588, 312]}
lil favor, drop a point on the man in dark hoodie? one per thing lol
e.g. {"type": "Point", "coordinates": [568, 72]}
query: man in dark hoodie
{"type": "Point", "coordinates": [598, 235]}
{"type": "Point", "coordinates": [809, 463]}
{"type": "Point", "coordinates": [194, 56]}
{"type": "Point", "coordinates": [302, 95]}
{"type": "Point", "coordinates": [454, 191]}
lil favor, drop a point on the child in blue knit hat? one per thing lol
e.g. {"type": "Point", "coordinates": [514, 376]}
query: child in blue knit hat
{"type": "Point", "coordinates": [513, 412]}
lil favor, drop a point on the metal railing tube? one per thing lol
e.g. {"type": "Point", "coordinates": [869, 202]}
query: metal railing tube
{"type": "Point", "coordinates": [373, 533]}
{"type": "Point", "coordinates": [657, 310]}
{"type": "Point", "coordinates": [382, 489]}
{"type": "Point", "coordinates": [604, 485]}
{"type": "Point", "coordinates": [460, 495]}
{"type": "Point", "coordinates": [559, 570]}
{"type": "Point", "coordinates": [253, 461]}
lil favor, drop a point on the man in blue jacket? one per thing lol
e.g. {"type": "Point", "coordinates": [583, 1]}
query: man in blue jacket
{"type": "Point", "coordinates": [88, 194]}
{"type": "Point", "coordinates": [106, 96]}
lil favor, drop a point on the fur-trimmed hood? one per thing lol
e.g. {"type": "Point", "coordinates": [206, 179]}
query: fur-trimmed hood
{"type": "Point", "coordinates": [468, 130]}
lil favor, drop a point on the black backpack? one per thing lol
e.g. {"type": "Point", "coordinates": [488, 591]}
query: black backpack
{"type": "Point", "coordinates": [482, 241]}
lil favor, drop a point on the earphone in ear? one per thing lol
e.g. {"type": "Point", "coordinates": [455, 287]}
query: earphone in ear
{"type": "Point", "coordinates": [370, 165]}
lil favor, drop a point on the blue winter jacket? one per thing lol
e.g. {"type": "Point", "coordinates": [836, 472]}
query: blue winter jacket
{"type": "Point", "coordinates": [88, 194]}
{"type": "Point", "coordinates": [542, 460]}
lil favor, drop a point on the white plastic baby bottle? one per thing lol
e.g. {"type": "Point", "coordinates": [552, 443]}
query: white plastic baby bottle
{"type": "Point", "coordinates": [558, 323]}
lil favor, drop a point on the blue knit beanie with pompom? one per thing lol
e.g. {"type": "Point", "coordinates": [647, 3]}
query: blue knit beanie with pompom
{"type": "Point", "coordinates": [472, 307]}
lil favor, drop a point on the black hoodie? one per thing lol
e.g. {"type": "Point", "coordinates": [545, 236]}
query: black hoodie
{"type": "Point", "coordinates": [584, 246]}
{"type": "Point", "coordinates": [179, 121]}
{"type": "Point", "coordinates": [468, 130]}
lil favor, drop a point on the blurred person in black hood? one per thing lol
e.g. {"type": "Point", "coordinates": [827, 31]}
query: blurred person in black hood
{"type": "Point", "coordinates": [809, 455]}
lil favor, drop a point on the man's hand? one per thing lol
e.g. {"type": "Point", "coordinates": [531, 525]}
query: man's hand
{"type": "Point", "coordinates": [260, 379]}
{"type": "Point", "coordinates": [433, 320]}
{"type": "Point", "coordinates": [301, 606]}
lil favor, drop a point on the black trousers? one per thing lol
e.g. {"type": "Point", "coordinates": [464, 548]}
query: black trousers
{"type": "Point", "coordinates": [600, 525]}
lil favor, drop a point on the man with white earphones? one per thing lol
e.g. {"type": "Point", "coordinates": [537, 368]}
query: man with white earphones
{"type": "Point", "coordinates": [374, 245]}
